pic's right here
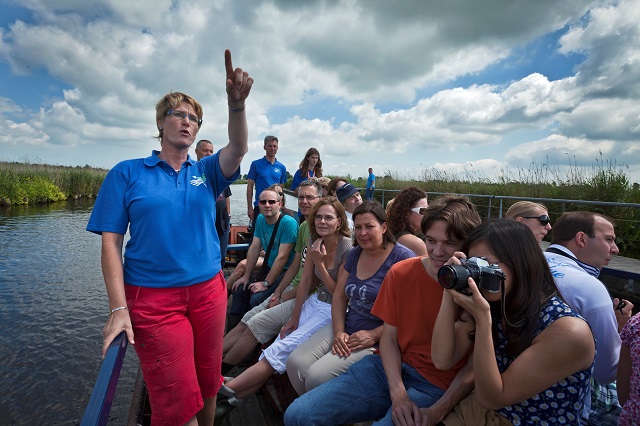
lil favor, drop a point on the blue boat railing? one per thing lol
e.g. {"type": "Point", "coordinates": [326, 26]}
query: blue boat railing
{"type": "Point", "coordinates": [97, 411]}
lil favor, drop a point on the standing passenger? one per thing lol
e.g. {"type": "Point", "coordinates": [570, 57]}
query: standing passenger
{"type": "Point", "coordinates": [263, 173]}
{"type": "Point", "coordinates": [310, 167]}
{"type": "Point", "coordinates": [204, 148]}
{"type": "Point", "coordinates": [371, 185]}
{"type": "Point", "coordinates": [172, 260]}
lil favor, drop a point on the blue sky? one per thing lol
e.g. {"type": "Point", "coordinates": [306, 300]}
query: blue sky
{"type": "Point", "coordinates": [410, 88]}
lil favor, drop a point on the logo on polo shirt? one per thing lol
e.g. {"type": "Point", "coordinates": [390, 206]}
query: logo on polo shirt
{"type": "Point", "coordinates": [198, 180]}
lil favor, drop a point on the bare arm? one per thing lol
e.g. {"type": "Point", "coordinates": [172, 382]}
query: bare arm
{"type": "Point", "coordinates": [306, 284]}
{"type": "Point", "coordinates": [460, 387]}
{"type": "Point", "coordinates": [250, 199]}
{"type": "Point", "coordinates": [625, 369]}
{"type": "Point", "coordinates": [404, 411]}
{"type": "Point", "coordinates": [286, 280]}
{"type": "Point", "coordinates": [451, 334]}
{"type": "Point", "coordinates": [238, 87]}
{"type": "Point", "coordinates": [278, 264]}
{"type": "Point", "coordinates": [113, 273]}
{"type": "Point", "coordinates": [252, 258]}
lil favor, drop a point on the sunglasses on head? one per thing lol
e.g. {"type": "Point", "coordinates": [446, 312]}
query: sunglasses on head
{"type": "Point", "coordinates": [544, 219]}
{"type": "Point", "coordinates": [271, 202]}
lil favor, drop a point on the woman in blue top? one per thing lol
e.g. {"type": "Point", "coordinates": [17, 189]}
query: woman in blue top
{"type": "Point", "coordinates": [310, 166]}
{"type": "Point", "coordinates": [170, 293]}
{"type": "Point", "coordinates": [532, 355]}
{"type": "Point", "coordinates": [354, 332]}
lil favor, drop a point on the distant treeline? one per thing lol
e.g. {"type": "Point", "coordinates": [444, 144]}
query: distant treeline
{"type": "Point", "coordinates": [22, 183]}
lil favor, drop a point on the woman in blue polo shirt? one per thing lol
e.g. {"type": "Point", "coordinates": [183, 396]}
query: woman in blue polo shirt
{"type": "Point", "coordinates": [170, 294]}
{"type": "Point", "coordinates": [310, 166]}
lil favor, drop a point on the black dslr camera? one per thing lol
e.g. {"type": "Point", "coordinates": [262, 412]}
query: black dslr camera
{"type": "Point", "coordinates": [486, 276]}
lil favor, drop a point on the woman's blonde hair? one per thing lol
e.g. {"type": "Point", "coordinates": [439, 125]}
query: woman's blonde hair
{"type": "Point", "coordinates": [524, 208]}
{"type": "Point", "coordinates": [171, 101]}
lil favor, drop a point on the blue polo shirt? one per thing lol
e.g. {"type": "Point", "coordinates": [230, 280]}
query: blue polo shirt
{"type": "Point", "coordinates": [287, 234]}
{"type": "Point", "coordinates": [170, 217]}
{"type": "Point", "coordinates": [265, 174]}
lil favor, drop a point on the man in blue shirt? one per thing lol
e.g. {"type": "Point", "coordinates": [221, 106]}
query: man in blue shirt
{"type": "Point", "coordinates": [371, 185]}
{"type": "Point", "coordinates": [248, 293]}
{"type": "Point", "coordinates": [204, 148]}
{"type": "Point", "coordinates": [262, 174]}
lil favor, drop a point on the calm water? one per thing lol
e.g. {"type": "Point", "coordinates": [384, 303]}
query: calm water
{"type": "Point", "coordinates": [52, 313]}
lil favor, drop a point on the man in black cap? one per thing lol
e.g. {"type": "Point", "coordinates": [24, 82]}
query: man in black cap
{"type": "Point", "coordinates": [350, 198]}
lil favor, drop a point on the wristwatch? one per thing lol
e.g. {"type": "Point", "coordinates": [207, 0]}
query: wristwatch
{"type": "Point", "coordinates": [266, 283]}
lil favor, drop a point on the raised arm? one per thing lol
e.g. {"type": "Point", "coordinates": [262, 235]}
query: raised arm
{"type": "Point", "coordinates": [238, 87]}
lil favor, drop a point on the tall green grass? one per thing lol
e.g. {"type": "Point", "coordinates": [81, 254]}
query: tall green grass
{"type": "Point", "coordinates": [23, 183]}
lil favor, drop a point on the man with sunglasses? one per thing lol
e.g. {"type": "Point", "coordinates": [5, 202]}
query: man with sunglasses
{"type": "Point", "coordinates": [246, 292]}
{"type": "Point", "coordinates": [263, 173]}
{"type": "Point", "coordinates": [582, 244]}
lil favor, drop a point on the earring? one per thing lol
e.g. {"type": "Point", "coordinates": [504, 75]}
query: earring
{"type": "Point", "coordinates": [160, 128]}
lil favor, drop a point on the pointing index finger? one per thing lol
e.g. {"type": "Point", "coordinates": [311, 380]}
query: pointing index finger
{"type": "Point", "coordinates": [227, 63]}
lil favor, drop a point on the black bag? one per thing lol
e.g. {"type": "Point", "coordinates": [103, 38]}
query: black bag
{"type": "Point", "coordinates": [264, 270]}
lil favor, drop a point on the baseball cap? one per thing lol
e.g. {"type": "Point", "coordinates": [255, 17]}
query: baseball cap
{"type": "Point", "coordinates": [345, 191]}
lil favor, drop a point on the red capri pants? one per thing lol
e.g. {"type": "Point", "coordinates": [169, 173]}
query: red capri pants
{"type": "Point", "coordinates": [178, 333]}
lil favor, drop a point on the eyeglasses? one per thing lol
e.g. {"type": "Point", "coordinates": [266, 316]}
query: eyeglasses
{"type": "Point", "coordinates": [544, 219]}
{"type": "Point", "coordinates": [308, 197]}
{"type": "Point", "coordinates": [420, 210]}
{"type": "Point", "coordinates": [320, 218]}
{"type": "Point", "coordinates": [264, 202]}
{"type": "Point", "coordinates": [180, 115]}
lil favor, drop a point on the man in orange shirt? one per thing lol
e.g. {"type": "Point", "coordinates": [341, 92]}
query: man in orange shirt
{"type": "Point", "coordinates": [403, 378]}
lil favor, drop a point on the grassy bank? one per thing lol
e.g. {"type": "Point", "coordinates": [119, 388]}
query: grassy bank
{"type": "Point", "coordinates": [24, 183]}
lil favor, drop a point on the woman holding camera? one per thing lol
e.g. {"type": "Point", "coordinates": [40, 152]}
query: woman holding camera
{"type": "Point", "coordinates": [532, 355]}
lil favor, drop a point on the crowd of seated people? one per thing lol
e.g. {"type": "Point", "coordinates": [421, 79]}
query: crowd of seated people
{"type": "Point", "coordinates": [357, 321]}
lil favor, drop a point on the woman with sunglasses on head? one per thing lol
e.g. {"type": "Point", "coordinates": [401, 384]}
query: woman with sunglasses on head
{"type": "Point", "coordinates": [310, 167]}
{"type": "Point", "coordinates": [329, 245]}
{"type": "Point", "coordinates": [172, 260]}
{"type": "Point", "coordinates": [404, 219]}
{"type": "Point", "coordinates": [532, 355]}
{"type": "Point", "coordinates": [354, 332]}
{"type": "Point", "coordinates": [534, 215]}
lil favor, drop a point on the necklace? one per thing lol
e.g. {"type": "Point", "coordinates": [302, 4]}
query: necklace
{"type": "Point", "coordinates": [177, 170]}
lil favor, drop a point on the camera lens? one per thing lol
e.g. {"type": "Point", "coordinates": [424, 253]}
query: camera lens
{"type": "Point", "coordinates": [453, 276]}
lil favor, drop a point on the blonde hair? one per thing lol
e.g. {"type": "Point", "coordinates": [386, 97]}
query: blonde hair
{"type": "Point", "coordinates": [524, 208]}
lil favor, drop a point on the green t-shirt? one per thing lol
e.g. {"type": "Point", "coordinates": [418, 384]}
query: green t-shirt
{"type": "Point", "coordinates": [301, 247]}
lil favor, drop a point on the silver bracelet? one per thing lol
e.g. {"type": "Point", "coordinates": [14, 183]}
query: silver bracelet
{"type": "Point", "coordinates": [118, 309]}
{"type": "Point", "coordinates": [233, 109]}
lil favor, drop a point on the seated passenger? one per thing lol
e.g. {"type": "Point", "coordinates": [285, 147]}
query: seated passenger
{"type": "Point", "coordinates": [534, 215]}
{"type": "Point", "coordinates": [532, 355]}
{"type": "Point", "coordinates": [354, 332]}
{"type": "Point", "coordinates": [263, 322]}
{"type": "Point", "coordinates": [350, 198]}
{"type": "Point", "coordinates": [403, 378]}
{"type": "Point", "coordinates": [276, 233]}
{"type": "Point", "coordinates": [334, 184]}
{"type": "Point", "coordinates": [404, 219]}
{"type": "Point", "coordinates": [329, 245]}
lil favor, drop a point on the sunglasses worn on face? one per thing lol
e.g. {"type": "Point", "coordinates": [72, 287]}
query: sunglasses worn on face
{"type": "Point", "coordinates": [544, 219]}
{"type": "Point", "coordinates": [264, 202]}
{"type": "Point", "coordinates": [420, 210]}
{"type": "Point", "coordinates": [180, 115]}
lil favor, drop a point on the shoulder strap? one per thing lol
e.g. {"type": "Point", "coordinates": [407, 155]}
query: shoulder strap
{"type": "Point", "coordinates": [265, 265]}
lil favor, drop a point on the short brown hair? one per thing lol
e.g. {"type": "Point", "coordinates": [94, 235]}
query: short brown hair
{"type": "Point", "coordinates": [458, 211]}
{"type": "Point", "coordinates": [570, 223]}
{"type": "Point", "coordinates": [171, 101]}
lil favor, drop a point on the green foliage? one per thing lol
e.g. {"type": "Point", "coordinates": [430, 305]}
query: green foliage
{"type": "Point", "coordinates": [22, 183]}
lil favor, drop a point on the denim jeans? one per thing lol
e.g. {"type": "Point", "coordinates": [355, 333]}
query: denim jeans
{"type": "Point", "coordinates": [244, 300]}
{"type": "Point", "coordinates": [360, 394]}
